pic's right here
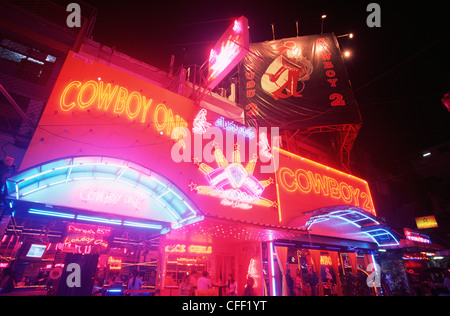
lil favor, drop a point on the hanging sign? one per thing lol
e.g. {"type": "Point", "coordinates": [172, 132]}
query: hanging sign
{"type": "Point", "coordinates": [229, 50]}
{"type": "Point", "coordinates": [296, 83]}
{"type": "Point", "coordinates": [426, 222]}
{"type": "Point", "coordinates": [417, 237]}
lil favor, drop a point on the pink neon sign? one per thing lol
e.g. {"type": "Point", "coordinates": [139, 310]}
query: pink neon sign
{"type": "Point", "coordinates": [233, 183]}
{"type": "Point", "coordinates": [229, 50]}
{"type": "Point", "coordinates": [414, 236]}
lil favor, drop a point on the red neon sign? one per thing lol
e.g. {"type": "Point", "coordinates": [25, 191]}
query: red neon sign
{"type": "Point", "coordinates": [417, 237]}
{"type": "Point", "coordinates": [196, 249]}
{"type": "Point", "coordinates": [89, 230]}
{"type": "Point", "coordinates": [306, 181]}
{"type": "Point", "coordinates": [229, 50]}
{"type": "Point", "coordinates": [86, 240]}
{"type": "Point", "coordinates": [73, 248]}
{"type": "Point", "coordinates": [87, 235]}
{"type": "Point", "coordinates": [316, 186]}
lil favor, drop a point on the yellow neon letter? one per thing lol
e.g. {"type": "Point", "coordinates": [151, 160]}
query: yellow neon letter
{"type": "Point", "coordinates": [105, 95]}
{"type": "Point", "coordinates": [62, 104]}
{"type": "Point", "coordinates": [94, 85]}
{"type": "Point", "coordinates": [160, 124]}
{"type": "Point", "coordinates": [298, 175]}
{"type": "Point", "coordinates": [282, 174]}
{"type": "Point", "coordinates": [146, 106]}
{"type": "Point", "coordinates": [133, 115]}
{"type": "Point", "coordinates": [346, 192]}
{"type": "Point", "coordinates": [120, 101]}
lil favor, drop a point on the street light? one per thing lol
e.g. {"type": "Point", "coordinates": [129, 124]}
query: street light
{"type": "Point", "coordinates": [323, 19]}
{"type": "Point", "coordinates": [349, 35]}
{"type": "Point", "coordinates": [347, 54]}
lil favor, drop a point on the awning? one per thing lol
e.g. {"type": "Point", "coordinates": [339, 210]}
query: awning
{"type": "Point", "coordinates": [103, 190]}
{"type": "Point", "coordinates": [347, 222]}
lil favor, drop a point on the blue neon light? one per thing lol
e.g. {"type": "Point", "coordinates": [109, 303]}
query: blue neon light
{"type": "Point", "coordinates": [99, 220]}
{"type": "Point", "coordinates": [95, 219]}
{"type": "Point", "coordinates": [114, 291]}
{"type": "Point", "coordinates": [248, 132]}
{"type": "Point", "coordinates": [142, 225]}
{"type": "Point", "coordinates": [51, 213]}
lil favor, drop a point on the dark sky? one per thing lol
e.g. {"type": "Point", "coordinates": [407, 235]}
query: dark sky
{"type": "Point", "coordinates": [407, 56]}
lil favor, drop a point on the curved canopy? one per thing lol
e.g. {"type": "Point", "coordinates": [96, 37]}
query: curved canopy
{"type": "Point", "coordinates": [116, 191]}
{"type": "Point", "coordinates": [349, 222]}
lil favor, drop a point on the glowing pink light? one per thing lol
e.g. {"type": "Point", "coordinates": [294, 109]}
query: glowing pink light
{"type": "Point", "coordinates": [229, 50]}
{"type": "Point", "coordinates": [237, 26]}
{"type": "Point", "coordinates": [218, 62]}
{"type": "Point", "coordinates": [200, 123]}
{"type": "Point", "coordinates": [264, 146]}
{"type": "Point", "coordinates": [235, 186]}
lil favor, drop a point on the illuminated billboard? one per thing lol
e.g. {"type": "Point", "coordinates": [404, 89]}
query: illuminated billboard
{"type": "Point", "coordinates": [103, 145]}
{"type": "Point", "coordinates": [229, 50]}
{"type": "Point", "coordinates": [426, 222]}
{"type": "Point", "coordinates": [95, 109]}
{"type": "Point", "coordinates": [304, 185]}
{"type": "Point", "coordinates": [296, 83]}
{"type": "Point", "coordinates": [106, 141]}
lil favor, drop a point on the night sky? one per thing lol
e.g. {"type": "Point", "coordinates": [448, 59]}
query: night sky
{"type": "Point", "coordinates": [399, 71]}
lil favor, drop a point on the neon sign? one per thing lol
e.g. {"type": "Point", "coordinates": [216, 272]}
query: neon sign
{"type": "Point", "coordinates": [96, 95]}
{"type": "Point", "coordinates": [193, 249]}
{"type": "Point", "coordinates": [84, 235]}
{"type": "Point", "coordinates": [306, 181]}
{"type": "Point", "coordinates": [232, 46]}
{"type": "Point", "coordinates": [87, 230]}
{"type": "Point", "coordinates": [426, 222]}
{"type": "Point", "coordinates": [73, 248]}
{"type": "Point", "coordinates": [200, 249]}
{"type": "Point", "coordinates": [322, 186]}
{"type": "Point", "coordinates": [85, 240]}
{"type": "Point", "coordinates": [325, 261]}
{"type": "Point", "coordinates": [114, 264]}
{"type": "Point", "coordinates": [414, 236]}
{"type": "Point", "coordinates": [110, 198]}
{"type": "Point", "coordinates": [248, 132]}
{"type": "Point", "coordinates": [233, 183]}
{"type": "Point", "coordinates": [201, 125]}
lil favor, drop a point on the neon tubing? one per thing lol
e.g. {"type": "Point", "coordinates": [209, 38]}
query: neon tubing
{"type": "Point", "coordinates": [51, 213]}
{"type": "Point", "coordinates": [272, 269]}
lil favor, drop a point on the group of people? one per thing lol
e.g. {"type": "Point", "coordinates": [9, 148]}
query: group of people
{"type": "Point", "coordinates": [302, 284]}
{"type": "Point", "coordinates": [190, 283]}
